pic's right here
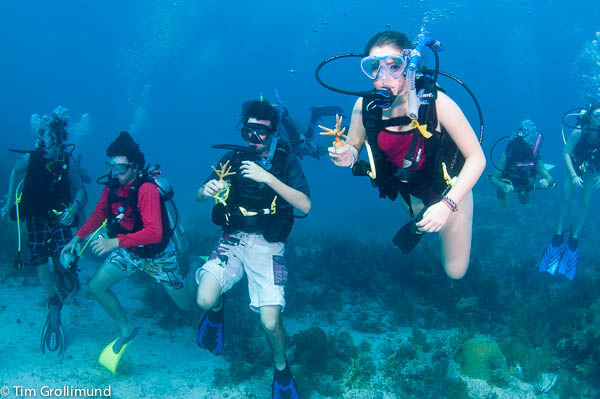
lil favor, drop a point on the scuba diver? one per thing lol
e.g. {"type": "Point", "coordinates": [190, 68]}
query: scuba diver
{"type": "Point", "coordinates": [133, 208]}
{"type": "Point", "coordinates": [520, 163]}
{"type": "Point", "coordinates": [300, 144]}
{"type": "Point", "coordinates": [256, 189]}
{"type": "Point", "coordinates": [416, 136]}
{"type": "Point", "coordinates": [46, 191]}
{"type": "Point", "coordinates": [582, 159]}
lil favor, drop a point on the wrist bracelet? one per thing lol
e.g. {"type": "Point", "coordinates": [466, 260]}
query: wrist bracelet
{"type": "Point", "coordinates": [354, 153]}
{"type": "Point", "coordinates": [450, 203]}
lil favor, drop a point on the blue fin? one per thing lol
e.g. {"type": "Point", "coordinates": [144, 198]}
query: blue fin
{"type": "Point", "coordinates": [211, 333]}
{"type": "Point", "coordinates": [551, 258]}
{"type": "Point", "coordinates": [568, 262]}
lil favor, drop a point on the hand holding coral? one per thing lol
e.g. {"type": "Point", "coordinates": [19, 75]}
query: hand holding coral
{"type": "Point", "coordinates": [343, 156]}
{"type": "Point", "coordinates": [337, 133]}
{"type": "Point", "coordinates": [212, 187]}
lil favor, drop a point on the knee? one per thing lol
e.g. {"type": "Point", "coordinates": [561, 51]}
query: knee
{"type": "Point", "coordinates": [205, 302]}
{"type": "Point", "coordinates": [270, 324]}
{"type": "Point", "coordinates": [456, 270]}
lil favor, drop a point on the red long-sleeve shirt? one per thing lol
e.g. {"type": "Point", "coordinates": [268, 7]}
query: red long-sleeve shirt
{"type": "Point", "coordinates": [149, 210]}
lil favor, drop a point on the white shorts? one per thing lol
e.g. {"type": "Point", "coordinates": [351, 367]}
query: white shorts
{"type": "Point", "coordinates": [262, 261]}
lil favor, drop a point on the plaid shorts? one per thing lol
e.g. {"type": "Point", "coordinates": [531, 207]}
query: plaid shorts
{"type": "Point", "coordinates": [46, 238]}
{"type": "Point", "coordinates": [164, 267]}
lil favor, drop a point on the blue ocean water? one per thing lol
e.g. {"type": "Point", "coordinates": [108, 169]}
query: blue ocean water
{"type": "Point", "coordinates": [176, 72]}
{"type": "Point", "coordinates": [198, 62]}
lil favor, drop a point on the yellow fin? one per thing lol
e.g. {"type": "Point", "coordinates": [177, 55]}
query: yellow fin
{"type": "Point", "coordinates": [109, 359]}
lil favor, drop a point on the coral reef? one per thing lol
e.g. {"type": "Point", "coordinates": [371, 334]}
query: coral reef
{"type": "Point", "coordinates": [329, 362]}
{"type": "Point", "coordinates": [586, 341]}
{"type": "Point", "coordinates": [360, 371]}
{"type": "Point", "coordinates": [480, 357]}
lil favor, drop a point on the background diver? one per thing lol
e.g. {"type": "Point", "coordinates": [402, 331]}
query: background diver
{"type": "Point", "coordinates": [582, 160]}
{"type": "Point", "coordinates": [256, 201]}
{"type": "Point", "coordinates": [46, 191]}
{"type": "Point", "coordinates": [140, 237]}
{"type": "Point", "coordinates": [520, 164]}
{"type": "Point", "coordinates": [305, 144]}
{"type": "Point", "coordinates": [409, 148]}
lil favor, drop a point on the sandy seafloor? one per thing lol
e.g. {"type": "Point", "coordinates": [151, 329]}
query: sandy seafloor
{"type": "Point", "coordinates": [159, 363]}
{"type": "Point", "coordinates": [163, 363]}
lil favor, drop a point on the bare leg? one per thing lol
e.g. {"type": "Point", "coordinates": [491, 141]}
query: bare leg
{"type": "Point", "coordinates": [456, 239]}
{"type": "Point", "coordinates": [184, 297]}
{"type": "Point", "coordinates": [588, 190]}
{"type": "Point", "coordinates": [107, 276]}
{"type": "Point", "coordinates": [270, 317]}
{"type": "Point", "coordinates": [47, 278]}
{"type": "Point", "coordinates": [564, 207]}
{"type": "Point", "coordinates": [209, 293]}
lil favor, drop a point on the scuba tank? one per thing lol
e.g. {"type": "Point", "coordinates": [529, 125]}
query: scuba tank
{"type": "Point", "coordinates": [166, 196]}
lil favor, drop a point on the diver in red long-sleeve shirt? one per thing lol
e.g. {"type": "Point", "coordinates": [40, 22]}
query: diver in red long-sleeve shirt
{"type": "Point", "coordinates": [139, 238]}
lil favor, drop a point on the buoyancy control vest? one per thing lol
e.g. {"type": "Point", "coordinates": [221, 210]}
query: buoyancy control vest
{"type": "Point", "coordinates": [130, 201]}
{"type": "Point", "coordinates": [438, 147]}
{"type": "Point", "coordinates": [46, 185]}
{"type": "Point", "coordinates": [254, 207]}
{"type": "Point", "coordinates": [520, 166]}
{"type": "Point", "coordinates": [586, 154]}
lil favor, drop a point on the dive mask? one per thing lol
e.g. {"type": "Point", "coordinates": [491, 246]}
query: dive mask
{"type": "Point", "coordinates": [117, 167]}
{"type": "Point", "coordinates": [251, 132]}
{"type": "Point", "coordinates": [374, 66]}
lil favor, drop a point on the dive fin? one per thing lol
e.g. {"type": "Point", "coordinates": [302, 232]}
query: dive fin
{"type": "Point", "coordinates": [552, 256]}
{"type": "Point", "coordinates": [408, 236]}
{"type": "Point", "coordinates": [568, 260]}
{"type": "Point", "coordinates": [112, 353]}
{"type": "Point", "coordinates": [53, 335]}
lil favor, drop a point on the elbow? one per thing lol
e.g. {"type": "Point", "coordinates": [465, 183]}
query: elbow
{"type": "Point", "coordinates": [155, 236]}
{"type": "Point", "coordinates": [306, 206]}
{"type": "Point", "coordinates": [481, 162]}
{"type": "Point", "coordinates": [476, 162]}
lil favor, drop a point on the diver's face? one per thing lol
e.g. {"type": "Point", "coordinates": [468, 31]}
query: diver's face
{"type": "Point", "coordinates": [265, 138]}
{"type": "Point", "coordinates": [121, 169]}
{"type": "Point", "coordinates": [385, 79]}
{"type": "Point", "coordinates": [49, 141]}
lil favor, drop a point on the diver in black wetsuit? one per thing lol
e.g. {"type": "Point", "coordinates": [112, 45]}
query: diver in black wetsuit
{"type": "Point", "coordinates": [303, 145]}
{"type": "Point", "coordinates": [46, 192]}
{"type": "Point", "coordinates": [520, 164]}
